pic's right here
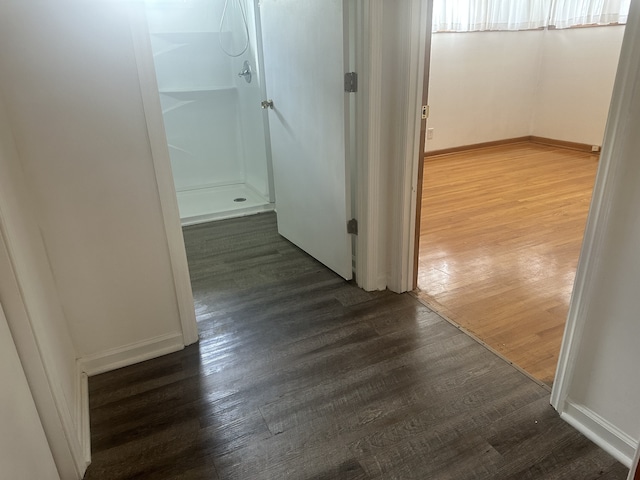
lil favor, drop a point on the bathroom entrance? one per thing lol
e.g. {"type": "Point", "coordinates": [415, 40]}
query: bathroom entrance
{"type": "Point", "coordinates": [256, 115]}
{"type": "Point", "coordinates": [208, 63]}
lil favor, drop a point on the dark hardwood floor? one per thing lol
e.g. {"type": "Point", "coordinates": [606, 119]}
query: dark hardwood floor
{"type": "Point", "coordinates": [300, 375]}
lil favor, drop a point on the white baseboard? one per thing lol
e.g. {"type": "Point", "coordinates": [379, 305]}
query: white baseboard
{"type": "Point", "coordinates": [104, 362]}
{"type": "Point", "coordinates": [130, 354]}
{"type": "Point", "coordinates": [607, 436]}
{"type": "Point", "coordinates": [80, 444]}
{"type": "Point", "coordinates": [84, 426]}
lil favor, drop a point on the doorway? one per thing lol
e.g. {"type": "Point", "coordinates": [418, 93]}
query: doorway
{"type": "Point", "coordinates": [214, 74]}
{"type": "Point", "coordinates": [514, 317]}
{"type": "Point", "coordinates": [209, 71]}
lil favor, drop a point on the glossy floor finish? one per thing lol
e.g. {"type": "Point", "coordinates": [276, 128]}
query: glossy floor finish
{"type": "Point", "coordinates": [501, 231]}
{"type": "Point", "coordinates": [300, 375]}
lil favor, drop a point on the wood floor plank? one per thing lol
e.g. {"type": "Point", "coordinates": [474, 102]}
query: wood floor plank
{"type": "Point", "coordinates": [468, 457]}
{"type": "Point", "coordinates": [301, 375]}
{"type": "Point", "coordinates": [501, 230]}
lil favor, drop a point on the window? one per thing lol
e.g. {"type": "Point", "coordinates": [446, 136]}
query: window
{"type": "Point", "coordinates": [483, 15]}
{"type": "Point", "coordinates": [570, 13]}
{"type": "Point", "coordinates": [487, 15]}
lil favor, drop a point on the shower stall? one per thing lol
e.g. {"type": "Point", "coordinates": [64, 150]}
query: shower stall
{"type": "Point", "coordinates": [208, 67]}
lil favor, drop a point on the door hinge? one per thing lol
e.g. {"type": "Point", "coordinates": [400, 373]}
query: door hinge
{"type": "Point", "coordinates": [352, 226]}
{"type": "Point", "coordinates": [351, 82]}
{"type": "Point", "coordinates": [425, 112]}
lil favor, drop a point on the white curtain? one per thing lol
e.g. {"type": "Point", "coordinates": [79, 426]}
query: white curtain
{"type": "Point", "coordinates": [569, 13]}
{"type": "Point", "coordinates": [484, 15]}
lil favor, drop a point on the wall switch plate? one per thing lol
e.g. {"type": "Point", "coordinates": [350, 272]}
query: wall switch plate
{"type": "Point", "coordinates": [429, 133]}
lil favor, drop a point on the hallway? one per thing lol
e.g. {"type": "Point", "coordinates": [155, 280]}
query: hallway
{"type": "Point", "coordinates": [300, 375]}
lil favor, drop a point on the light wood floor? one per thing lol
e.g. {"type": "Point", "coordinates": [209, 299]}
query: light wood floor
{"type": "Point", "coordinates": [501, 230]}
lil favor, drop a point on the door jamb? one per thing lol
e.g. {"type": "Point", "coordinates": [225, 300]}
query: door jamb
{"type": "Point", "coordinates": [609, 169]}
{"type": "Point", "coordinates": [263, 92]}
{"type": "Point", "coordinates": [69, 454]}
{"type": "Point", "coordinates": [386, 204]}
{"type": "Point", "coordinates": [402, 273]}
{"type": "Point", "coordinates": [634, 472]}
{"type": "Point", "coordinates": [368, 52]}
{"type": "Point", "coordinates": [421, 153]}
{"type": "Point", "coordinates": [164, 176]}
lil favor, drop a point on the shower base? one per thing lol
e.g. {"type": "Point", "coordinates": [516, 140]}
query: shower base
{"type": "Point", "coordinates": [216, 203]}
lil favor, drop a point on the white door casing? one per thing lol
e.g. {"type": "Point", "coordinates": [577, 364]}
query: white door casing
{"type": "Point", "coordinates": [24, 450]}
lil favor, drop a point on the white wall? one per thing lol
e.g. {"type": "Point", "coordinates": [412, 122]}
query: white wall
{"type": "Point", "coordinates": [576, 81]}
{"type": "Point", "coordinates": [24, 451]}
{"type": "Point", "coordinates": [489, 86]}
{"type": "Point", "coordinates": [481, 86]}
{"type": "Point", "coordinates": [33, 308]}
{"type": "Point", "coordinates": [70, 79]}
{"type": "Point", "coordinates": [597, 384]}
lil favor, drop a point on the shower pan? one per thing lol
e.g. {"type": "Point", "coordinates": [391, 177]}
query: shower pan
{"type": "Point", "coordinates": [203, 52]}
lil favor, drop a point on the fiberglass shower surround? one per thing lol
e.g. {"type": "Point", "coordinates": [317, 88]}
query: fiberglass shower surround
{"type": "Point", "coordinates": [213, 121]}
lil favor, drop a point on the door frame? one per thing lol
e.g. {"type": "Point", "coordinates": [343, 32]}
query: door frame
{"type": "Point", "coordinates": [263, 91]}
{"type": "Point", "coordinates": [69, 443]}
{"type": "Point", "coordinates": [634, 472]}
{"type": "Point", "coordinates": [610, 169]}
{"type": "Point", "coordinates": [421, 153]}
{"type": "Point", "coordinates": [163, 173]}
{"type": "Point", "coordinates": [402, 263]}
{"type": "Point", "coordinates": [393, 58]}
{"type": "Point", "coordinates": [65, 421]}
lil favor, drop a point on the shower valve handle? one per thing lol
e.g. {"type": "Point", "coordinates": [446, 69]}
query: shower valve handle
{"type": "Point", "coordinates": [266, 104]}
{"type": "Point", "coordinates": [246, 71]}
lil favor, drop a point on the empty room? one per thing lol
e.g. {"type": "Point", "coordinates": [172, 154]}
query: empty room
{"type": "Point", "coordinates": [519, 97]}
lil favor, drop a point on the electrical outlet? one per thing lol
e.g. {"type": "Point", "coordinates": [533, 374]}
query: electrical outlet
{"type": "Point", "coordinates": [595, 148]}
{"type": "Point", "coordinates": [429, 133]}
